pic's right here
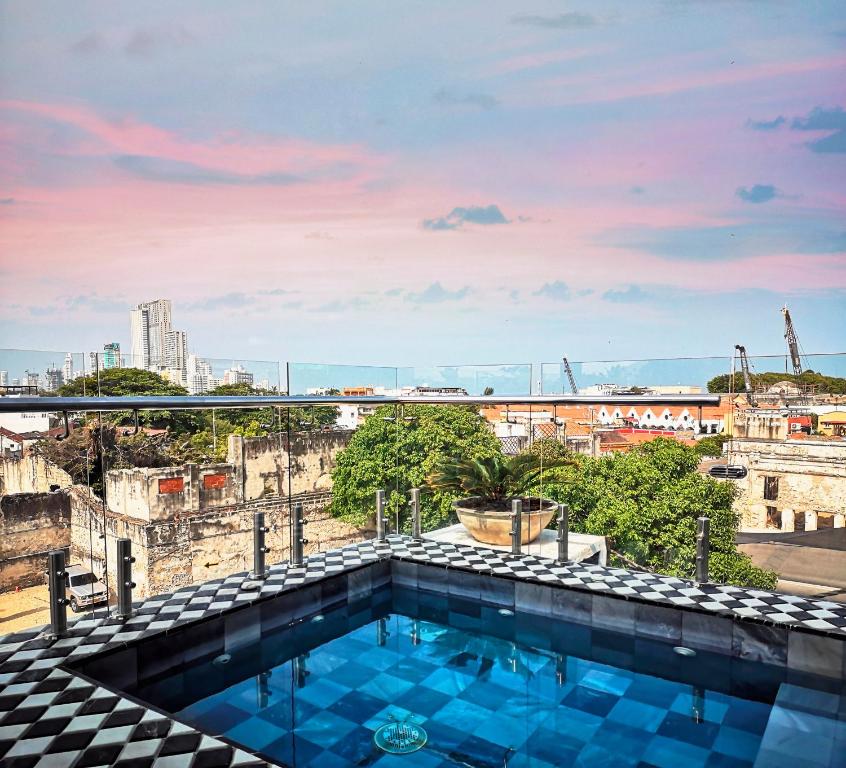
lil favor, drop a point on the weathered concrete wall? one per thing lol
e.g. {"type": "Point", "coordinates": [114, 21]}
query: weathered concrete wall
{"type": "Point", "coordinates": [171, 492]}
{"type": "Point", "coordinates": [261, 463]}
{"type": "Point", "coordinates": [811, 479]}
{"type": "Point", "coordinates": [31, 474]}
{"type": "Point", "coordinates": [206, 545]}
{"type": "Point", "coordinates": [31, 524]}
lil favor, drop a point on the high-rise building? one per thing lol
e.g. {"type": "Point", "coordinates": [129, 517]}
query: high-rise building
{"type": "Point", "coordinates": [111, 355]}
{"type": "Point", "coordinates": [4, 378]}
{"type": "Point", "coordinates": [237, 374]}
{"type": "Point", "coordinates": [53, 378]}
{"type": "Point", "coordinates": [67, 368]}
{"type": "Point", "coordinates": [32, 379]}
{"type": "Point", "coordinates": [176, 350]}
{"type": "Point", "coordinates": [94, 363]}
{"type": "Point", "coordinates": [149, 326]}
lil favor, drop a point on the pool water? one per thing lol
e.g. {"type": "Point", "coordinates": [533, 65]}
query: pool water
{"type": "Point", "coordinates": [481, 686]}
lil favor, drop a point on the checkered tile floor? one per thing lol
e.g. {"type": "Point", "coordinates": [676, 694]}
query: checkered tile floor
{"type": "Point", "coordinates": [51, 718]}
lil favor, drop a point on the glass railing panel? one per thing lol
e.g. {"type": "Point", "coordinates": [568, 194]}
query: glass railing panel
{"type": "Point", "coordinates": [328, 378]}
{"type": "Point", "coordinates": [42, 372]}
{"type": "Point", "coordinates": [502, 379]}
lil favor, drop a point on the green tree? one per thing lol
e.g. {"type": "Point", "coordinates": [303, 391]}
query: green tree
{"type": "Point", "coordinates": [646, 503]}
{"type": "Point", "coordinates": [712, 445]}
{"type": "Point", "coordinates": [833, 385]}
{"type": "Point", "coordinates": [398, 454]}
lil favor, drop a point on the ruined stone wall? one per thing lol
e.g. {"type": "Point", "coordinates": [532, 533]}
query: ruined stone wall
{"type": "Point", "coordinates": [31, 524]}
{"type": "Point", "coordinates": [31, 474]}
{"type": "Point", "coordinates": [811, 480]}
{"type": "Point", "coordinates": [262, 462]}
{"type": "Point", "coordinates": [166, 493]}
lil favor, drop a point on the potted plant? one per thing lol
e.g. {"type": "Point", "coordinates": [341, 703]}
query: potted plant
{"type": "Point", "coordinates": [488, 486]}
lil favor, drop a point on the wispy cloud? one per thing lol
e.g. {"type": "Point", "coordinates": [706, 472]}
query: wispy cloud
{"type": "Point", "coordinates": [393, 292]}
{"type": "Point", "coordinates": [146, 41]}
{"type": "Point", "coordinates": [636, 190]}
{"type": "Point", "coordinates": [453, 99]}
{"type": "Point", "coordinates": [766, 125]}
{"type": "Point", "coordinates": [343, 305]}
{"type": "Point", "coordinates": [572, 20]}
{"type": "Point", "coordinates": [235, 300]}
{"type": "Point", "coordinates": [557, 291]}
{"type": "Point", "coordinates": [276, 292]}
{"type": "Point", "coordinates": [824, 119]}
{"type": "Point", "coordinates": [457, 217]}
{"type": "Point", "coordinates": [7, 201]}
{"type": "Point", "coordinates": [759, 193]}
{"type": "Point", "coordinates": [179, 172]}
{"type": "Point", "coordinates": [437, 294]}
{"type": "Point", "coordinates": [633, 294]}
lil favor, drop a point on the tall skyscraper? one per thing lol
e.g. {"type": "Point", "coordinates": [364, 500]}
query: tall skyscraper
{"type": "Point", "coordinates": [111, 355]}
{"type": "Point", "coordinates": [4, 378]}
{"type": "Point", "coordinates": [53, 379]}
{"type": "Point", "coordinates": [149, 326]}
{"type": "Point", "coordinates": [67, 368]}
{"type": "Point", "coordinates": [176, 350]}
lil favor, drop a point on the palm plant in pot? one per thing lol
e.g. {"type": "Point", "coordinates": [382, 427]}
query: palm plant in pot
{"type": "Point", "coordinates": [488, 486]}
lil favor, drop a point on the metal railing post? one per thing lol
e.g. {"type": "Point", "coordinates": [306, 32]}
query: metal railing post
{"type": "Point", "coordinates": [259, 548]}
{"type": "Point", "coordinates": [415, 514]}
{"type": "Point", "coordinates": [703, 546]}
{"type": "Point", "coordinates": [563, 533]}
{"type": "Point", "coordinates": [516, 525]}
{"type": "Point", "coordinates": [380, 515]}
{"type": "Point", "coordinates": [299, 540]}
{"type": "Point", "coordinates": [125, 584]}
{"type": "Point", "coordinates": [56, 579]}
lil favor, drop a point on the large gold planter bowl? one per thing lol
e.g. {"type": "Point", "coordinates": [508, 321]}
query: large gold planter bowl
{"type": "Point", "coordinates": [493, 525]}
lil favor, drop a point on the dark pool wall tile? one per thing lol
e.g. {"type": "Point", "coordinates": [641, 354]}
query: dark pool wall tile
{"type": "Point", "coordinates": [404, 573]}
{"type": "Point", "coordinates": [205, 638]}
{"type": "Point", "coordinates": [118, 669]}
{"type": "Point", "coordinates": [497, 591]}
{"type": "Point", "coordinates": [612, 613]}
{"type": "Point", "coordinates": [571, 605]}
{"type": "Point", "coordinates": [464, 584]}
{"type": "Point", "coordinates": [813, 653]}
{"type": "Point", "coordinates": [432, 578]}
{"type": "Point", "coordinates": [276, 612]}
{"type": "Point", "coordinates": [758, 642]}
{"type": "Point", "coordinates": [333, 590]}
{"type": "Point", "coordinates": [158, 654]}
{"type": "Point", "coordinates": [306, 600]}
{"type": "Point", "coordinates": [658, 622]}
{"type": "Point", "coordinates": [380, 573]}
{"type": "Point", "coordinates": [705, 632]}
{"type": "Point", "coordinates": [533, 598]}
{"type": "Point", "coordinates": [241, 627]}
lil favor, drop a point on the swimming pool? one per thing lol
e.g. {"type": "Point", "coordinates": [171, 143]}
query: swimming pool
{"type": "Point", "coordinates": [476, 684]}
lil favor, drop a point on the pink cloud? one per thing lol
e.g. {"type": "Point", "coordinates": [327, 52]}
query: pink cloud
{"type": "Point", "coordinates": [232, 152]}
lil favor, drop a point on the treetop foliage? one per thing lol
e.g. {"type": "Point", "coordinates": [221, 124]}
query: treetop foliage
{"type": "Point", "coordinates": [834, 385]}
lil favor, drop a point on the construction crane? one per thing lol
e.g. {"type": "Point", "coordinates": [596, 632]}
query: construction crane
{"type": "Point", "coordinates": [747, 378]}
{"type": "Point", "coordinates": [570, 376]}
{"type": "Point", "coordinates": [792, 341]}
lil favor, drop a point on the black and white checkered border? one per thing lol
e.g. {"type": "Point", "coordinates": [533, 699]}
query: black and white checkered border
{"type": "Point", "coordinates": [53, 718]}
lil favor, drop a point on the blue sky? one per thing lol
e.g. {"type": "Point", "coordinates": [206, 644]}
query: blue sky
{"type": "Point", "coordinates": [425, 182]}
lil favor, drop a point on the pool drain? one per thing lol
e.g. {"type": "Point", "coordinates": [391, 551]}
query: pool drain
{"type": "Point", "coordinates": [400, 738]}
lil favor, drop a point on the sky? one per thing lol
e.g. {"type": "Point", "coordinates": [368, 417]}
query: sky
{"type": "Point", "coordinates": [425, 182]}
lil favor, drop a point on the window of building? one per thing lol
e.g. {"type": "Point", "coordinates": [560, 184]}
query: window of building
{"type": "Point", "coordinates": [770, 488]}
{"type": "Point", "coordinates": [799, 522]}
{"type": "Point", "coordinates": [773, 518]}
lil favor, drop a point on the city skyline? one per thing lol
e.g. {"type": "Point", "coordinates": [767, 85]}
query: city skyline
{"type": "Point", "coordinates": [613, 181]}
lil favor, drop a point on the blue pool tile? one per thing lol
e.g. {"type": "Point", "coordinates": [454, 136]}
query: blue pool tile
{"type": "Point", "coordinates": [325, 728]}
{"type": "Point", "coordinates": [550, 746]}
{"type": "Point", "coordinates": [444, 737]}
{"type": "Point", "coordinates": [590, 700]}
{"type": "Point", "coordinates": [414, 670]}
{"type": "Point", "coordinates": [352, 674]}
{"type": "Point", "coordinates": [506, 731]}
{"type": "Point", "coordinates": [599, 755]}
{"type": "Point", "coordinates": [386, 687]}
{"type": "Point", "coordinates": [479, 753]}
{"type": "Point", "coordinates": [747, 715]}
{"type": "Point", "coordinates": [463, 714]}
{"type": "Point", "coordinates": [291, 750]}
{"type": "Point", "coordinates": [256, 732]}
{"type": "Point", "coordinates": [738, 744]}
{"type": "Point", "coordinates": [637, 714]}
{"type": "Point", "coordinates": [379, 658]}
{"type": "Point", "coordinates": [423, 701]}
{"type": "Point", "coordinates": [572, 724]}
{"type": "Point", "coordinates": [615, 682]}
{"type": "Point", "coordinates": [280, 713]}
{"type": "Point", "coordinates": [623, 740]}
{"type": "Point", "coordinates": [719, 760]}
{"type": "Point", "coordinates": [447, 681]}
{"type": "Point", "coordinates": [669, 753]}
{"type": "Point", "coordinates": [322, 693]}
{"type": "Point", "coordinates": [652, 690]}
{"type": "Point", "coordinates": [357, 706]}
{"type": "Point", "coordinates": [485, 694]}
{"type": "Point", "coordinates": [685, 728]}
{"type": "Point", "coordinates": [709, 708]}
{"type": "Point", "coordinates": [356, 747]}
{"type": "Point", "coordinates": [223, 718]}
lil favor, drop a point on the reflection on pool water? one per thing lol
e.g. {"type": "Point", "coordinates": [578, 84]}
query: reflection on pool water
{"type": "Point", "coordinates": [478, 688]}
